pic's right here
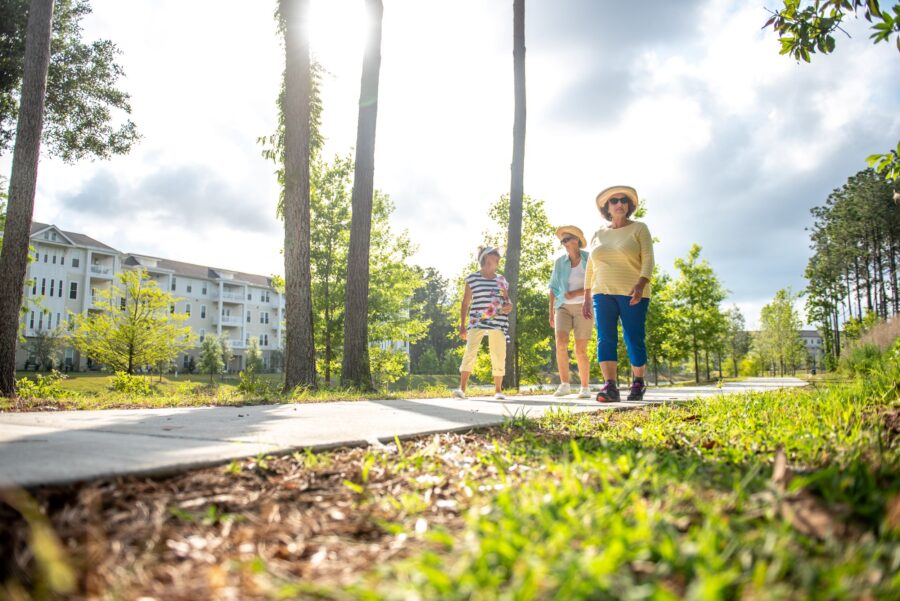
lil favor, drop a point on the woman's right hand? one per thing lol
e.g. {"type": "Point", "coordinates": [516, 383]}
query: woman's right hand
{"type": "Point", "coordinates": [552, 320]}
{"type": "Point", "coordinates": [586, 309]}
{"type": "Point", "coordinates": [463, 333]}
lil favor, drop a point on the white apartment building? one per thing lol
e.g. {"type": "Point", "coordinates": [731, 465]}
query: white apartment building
{"type": "Point", "coordinates": [815, 346]}
{"type": "Point", "coordinates": [69, 269]}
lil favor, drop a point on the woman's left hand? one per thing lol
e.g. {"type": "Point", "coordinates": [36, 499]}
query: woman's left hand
{"type": "Point", "coordinates": [636, 294]}
{"type": "Point", "coordinates": [506, 309]}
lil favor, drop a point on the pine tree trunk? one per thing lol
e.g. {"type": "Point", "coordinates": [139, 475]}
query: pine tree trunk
{"type": "Point", "coordinates": [516, 188]}
{"type": "Point", "coordinates": [355, 370]}
{"type": "Point", "coordinates": [892, 267]}
{"type": "Point", "coordinates": [22, 185]}
{"type": "Point", "coordinates": [299, 351]}
{"type": "Point", "coordinates": [696, 360]}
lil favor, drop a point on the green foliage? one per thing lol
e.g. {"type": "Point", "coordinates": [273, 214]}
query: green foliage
{"type": "Point", "coordinates": [42, 387]}
{"type": "Point", "coordinates": [211, 361]}
{"type": "Point", "coordinates": [751, 366]}
{"type": "Point", "coordinates": [131, 384]}
{"type": "Point", "coordinates": [133, 327]}
{"type": "Point", "coordinates": [778, 343]}
{"type": "Point", "coordinates": [695, 297]}
{"type": "Point", "coordinates": [805, 30]}
{"type": "Point", "coordinates": [429, 355]}
{"type": "Point", "coordinates": [862, 359]}
{"type": "Point", "coordinates": [388, 365]}
{"type": "Point", "coordinates": [81, 85]}
{"type": "Point", "coordinates": [46, 346]}
{"type": "Point", "coordinates": [854, 260]}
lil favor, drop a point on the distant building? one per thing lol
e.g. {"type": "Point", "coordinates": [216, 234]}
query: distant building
{"type": "Point", "coordinates": [69, 269]}
{"type": "Point", "coordinates": [814, 344]}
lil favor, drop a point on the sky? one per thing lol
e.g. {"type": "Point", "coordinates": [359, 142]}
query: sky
{"type": "Point", "coordinates": [727, 142]}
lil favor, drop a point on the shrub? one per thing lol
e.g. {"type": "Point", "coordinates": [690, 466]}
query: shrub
{"type": "Point", "coordinates": [862, 359]}
{"type": "Point", "coordinates": [42, 387]}
{"type": "Point", "coordinates": [251, 385]}
{"type": "Point", "coordinates": [131, 384]}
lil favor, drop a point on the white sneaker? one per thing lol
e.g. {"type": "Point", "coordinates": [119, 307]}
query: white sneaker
{"type": "Point", "coordinates": [563, 390]}
{"type": "Point", "coordinates": [585, 392]}
{"type": "Point", "coordinates": [499, 396]}
{"type": "Point", "coordinates": [459, 394]}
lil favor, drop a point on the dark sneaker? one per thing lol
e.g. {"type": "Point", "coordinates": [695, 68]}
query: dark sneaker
{"type": "Point", "coordinates": [637, 391]}
{"type": "Point", "coordinates": [609, 393]}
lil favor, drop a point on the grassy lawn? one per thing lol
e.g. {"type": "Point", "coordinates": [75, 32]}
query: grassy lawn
{"type": "Point", "coordinates": [781, 495]}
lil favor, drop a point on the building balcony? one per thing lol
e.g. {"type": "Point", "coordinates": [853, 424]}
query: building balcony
{"type": "Point", "coordinates": [101, 271]}
{"type": "Point", "coordinates": [226, 320]}
{"type": "Point", "coordinates": [232, 297]}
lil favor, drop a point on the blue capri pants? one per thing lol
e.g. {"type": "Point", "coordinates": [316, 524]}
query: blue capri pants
{"type": "Point", "coordinates": [608, 309]}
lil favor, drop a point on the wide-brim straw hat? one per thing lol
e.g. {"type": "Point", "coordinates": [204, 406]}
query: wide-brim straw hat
{"type": "Point", "coordinates": [628, 191]}
{"type": "Point", "coordinates": [572, 230]}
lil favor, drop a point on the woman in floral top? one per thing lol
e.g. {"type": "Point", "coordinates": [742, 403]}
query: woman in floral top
{"type": "Point", "coordinates": [484, 312]}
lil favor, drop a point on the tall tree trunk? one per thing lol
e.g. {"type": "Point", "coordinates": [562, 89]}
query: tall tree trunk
{"type": "Point", "coordinates": [299, 350]}
{"type": "Point", "coordinates": [696, 359]}
{"type": "Point", "coordinates": [856, 276]}
{"type": "Point", "coordinates": [355, 370]}
{"type": "Point", "coordinates": [892, 271]}
{"type": "Point", "coordinates": [868, 258]}
{"type": "Point", "coordinates": [22, 185]}
{"type": "Point", "coordinates": [516, 188]}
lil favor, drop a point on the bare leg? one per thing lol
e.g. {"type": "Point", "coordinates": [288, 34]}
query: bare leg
{"type": "Point", "coordinates": [584, 365]}
{"type": "Point", "coordinates": [639, 371]}
{"type": "Point", "coordinates": [463, 380]}
{"type": "Point", "coordinates": [562, 357]}
{"type": "Point", "coordinates": [498, 383]}
{"type": "Point", "coordinates": [609, 370]}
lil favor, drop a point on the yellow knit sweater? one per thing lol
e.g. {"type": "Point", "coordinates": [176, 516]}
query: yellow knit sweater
{"type": "Point", "coordinates": [618, 258]}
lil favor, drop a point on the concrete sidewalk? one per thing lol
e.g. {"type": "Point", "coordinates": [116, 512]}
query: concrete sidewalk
{"type": "Point", "coordinates": [69, 446]}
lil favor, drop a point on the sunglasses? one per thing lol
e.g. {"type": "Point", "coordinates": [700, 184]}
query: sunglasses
{"type": "Point", "coordinates": [619, 200]}
{"type": "Point", "coordinates": [567, 239]}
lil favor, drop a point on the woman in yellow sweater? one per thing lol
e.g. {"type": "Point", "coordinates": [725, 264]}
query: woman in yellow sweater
{"type": "Point", "coordinates": [617, 286]}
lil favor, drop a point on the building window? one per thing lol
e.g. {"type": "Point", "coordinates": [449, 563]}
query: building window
{"type": "Point", "coordinates": [122, 303]}
{"type": "Point", "coordinates": [31, 321]}
{"type": "Point", "coordinates": [171, 308]}
{"type": "Point", "coordinates": [262, 319]}
{"type": "Point", "coordinates": [71, 320]}
{"type": "Point", "coordinates": [249, 296]}
{"type": "Point", "coordinates": [202, 311]}
{"type": "Point", "coordinates": [43, 286]}
{"type": "Point", "coordinates": [57, 320]}
{"type": "Point", "coordinates": [75, 262]}
{"type": "Point", "coordinates": [187, 361]}
{"type": "Point", "coordinates": [203, 291]}
{"type": "Point", "coordinates": [52, 287]}
{"type": "Point", "coordinates": [187, 309]}
{"type": "Point", "coordinates": [41, 320]}
{"type": "Point", "coordinates": [37, 256]}
{"type": "Point", "coordinates": [45, 257]}
{"type": "Point", "coordinates": [188, 287]}
{"type": "Point", "coordinates": [248, 316]}
{"type": "Point", "coordinates": [73, 290]}
{"type": "Point", "coordinates": [54, 259]}
{"type": "Point", "coordinates": [202, 335]}
{"type": "Point", "coordinates": [62, 260]}
{"type": "Point", "coordinates": [172, 287]}
{"type": "Point", "coordinates": [34, 286]}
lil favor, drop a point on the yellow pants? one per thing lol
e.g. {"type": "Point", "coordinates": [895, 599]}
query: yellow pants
{"type": "Point", "coordinates": [497, 346]}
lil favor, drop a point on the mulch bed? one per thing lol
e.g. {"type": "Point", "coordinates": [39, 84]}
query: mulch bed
{"type": "Point", "coordinates": [211, 533]}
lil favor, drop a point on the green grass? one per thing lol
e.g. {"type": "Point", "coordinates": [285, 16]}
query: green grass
{"type": "Point", "coordinates": [675, 502]}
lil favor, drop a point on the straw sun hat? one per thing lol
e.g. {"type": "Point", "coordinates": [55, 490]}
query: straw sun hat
{"type": "Point", "coordinates": [627, 191]}
{"type": "Point", "coordinates": [572, 231]}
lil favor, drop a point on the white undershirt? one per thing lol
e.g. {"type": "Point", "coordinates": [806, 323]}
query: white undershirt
{"type": "Point", "coordinates": [576, 282]}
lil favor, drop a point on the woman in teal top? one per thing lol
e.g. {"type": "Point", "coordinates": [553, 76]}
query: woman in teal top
{"type": "Point", "coordinates": [566, 293]}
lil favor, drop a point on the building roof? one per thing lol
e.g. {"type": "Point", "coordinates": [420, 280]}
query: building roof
{"type": "Point", "coordinates": [203, 272]}
{"type": "Point", "coordinates": [189, 270]}
{"type": "Point", "coordinates": [75, 237]}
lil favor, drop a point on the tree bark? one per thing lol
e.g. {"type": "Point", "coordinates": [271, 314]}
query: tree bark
{"type": "Point", "coordinates": [516, 189]}
{"type": "Point", "coordinates": [355, 369]}
{"type": "Point", "coordinates": [22, 186]}
{"type": "Point", "coordinates": [299, 350]}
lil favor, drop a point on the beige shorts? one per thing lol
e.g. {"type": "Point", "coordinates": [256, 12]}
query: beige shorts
{"type": "Point", "coordinates": [569, 317]}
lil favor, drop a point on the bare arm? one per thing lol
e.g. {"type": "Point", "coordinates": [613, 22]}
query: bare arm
{"type": "Point", "coordinates": [464, 312]}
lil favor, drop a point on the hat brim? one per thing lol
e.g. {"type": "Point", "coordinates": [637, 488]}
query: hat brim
{"type": "Point", "coordinates": [608, 193]}
{"type": "Point", "coordinates": [573, 230]}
